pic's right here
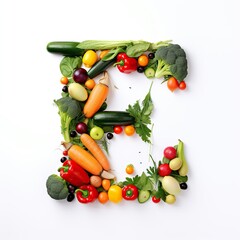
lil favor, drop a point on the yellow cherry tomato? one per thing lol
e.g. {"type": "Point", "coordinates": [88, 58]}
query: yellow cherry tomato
{"type": "Point", "coordinates": [115, 194]}
{"type": "Point", "coordinates": [143, 60]}
{"type": "Point", "coordinates": [106, 183]}
{"type": "Point", "coordinates": [89, 58]}
{"type": "Point", "coordinates": [64, 80]}
{"type": "Point", "coordinates": [90, 84]}
{"type": "Point", "coordinates": [129, 169]}
{"type": "Point", "coordinates": [170, 199]}
{"type": "Point", "coordinates": [129, 130]}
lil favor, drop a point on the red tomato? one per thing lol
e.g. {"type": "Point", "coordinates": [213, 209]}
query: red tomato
{"type": "Point", "coordinates": [155, 199]}
{"type": "Point", "coordinates": [172, 84]}
{"type": "Point", "coordinates": [182, 85]}
{"type": "Point", "coordinates": [117, 129]}
{"type": "Point", "coordinates": [170, 153]}
{"type": "Point", "coordinates": [164, 170]}
{"type": "Point", "coordinates": [65, 153]}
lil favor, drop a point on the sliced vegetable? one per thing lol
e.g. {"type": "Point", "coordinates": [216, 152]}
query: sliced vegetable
{"type": "Point", "coordinates": [149, 72]}
{"type": "Point", "coordinates": [97, 97]}
{"type": "Point", "coordinates": [95, 150]}
{"type": "Point", "coordinates": [144, 196]}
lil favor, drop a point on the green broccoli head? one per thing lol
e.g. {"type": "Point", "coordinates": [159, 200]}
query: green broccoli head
{"type": "Point", "coordinates": [172, 61]}
{"type": "Point", "coordinates": [69, 109]}
{"type": "Point", "coordinates": [56, 187]}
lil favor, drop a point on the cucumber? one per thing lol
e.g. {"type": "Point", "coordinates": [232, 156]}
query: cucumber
{"type": "Point", "coordinates": [149, 72]}
{"type": "Point", "coordinates": [143, 196]}
{"type": "Point", "coordinates": [65, 48]}
{"type": "Point", "coordinates": [99, 67]}
{"type": "Point", "coordinates": [113, 118]}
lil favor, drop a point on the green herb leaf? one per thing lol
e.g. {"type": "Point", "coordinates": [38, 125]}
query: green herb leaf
{"type": "Point", "coordinates": [179, 178]}
{"type": "Point", "coordinates": [69, 64]}
{"type": "Point", "coordinates": [142, 116]}
{"type": "Point", "coordinates": [112, 54]}
{"type": "Point", "coordinates": [137, 49]}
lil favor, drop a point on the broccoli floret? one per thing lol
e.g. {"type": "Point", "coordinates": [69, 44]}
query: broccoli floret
{"type": "Point", "coordinates": [69, 109]}
{"type": "Point", "coordinates": [172, 61]}
{"type": "Point", "coordinates": [56, 187]}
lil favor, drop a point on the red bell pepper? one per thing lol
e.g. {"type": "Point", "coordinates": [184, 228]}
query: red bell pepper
{"type": "Point", "coordinates": [126, 64]}
{"type": "Point", "coordinates": [73, 173]}
{"type": "Point", "coordinates": [130, 192]}
{"type": "Point", "coordinates": [86, 194]}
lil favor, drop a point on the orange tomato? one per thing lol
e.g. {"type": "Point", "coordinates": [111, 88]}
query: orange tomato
{"type": "Point", "coordinates": [129, 130]}
{"type": "Point", "coordinates": [103, 197]}
{"type": "Point", "coordinates": [182, 85]}
{"type": "Point", "coordinates": [129, 169]}
{"type": "Point", "coordinates": [103, 53]}
{"type": "Point", "coordinates": [172, 84]}
{"type": "Point", "coordinates": [90, 84]}
{"type": "Point", "coordinates": [64, 80]}
{"type": "Point", "coordinates": [106, 184]}
{"type": "Point", "coordinates": [143, 60]}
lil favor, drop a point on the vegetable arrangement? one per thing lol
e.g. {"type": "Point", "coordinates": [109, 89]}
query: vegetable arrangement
{"type": "Point", "coordinates": [87, 126]}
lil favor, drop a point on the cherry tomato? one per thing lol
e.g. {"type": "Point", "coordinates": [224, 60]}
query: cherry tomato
{"type": "Point", "coordinates": [90, 84]}
{"type": "Point", "coordinates": [103, 197]}
{"type": "Point", "coordinates": [65, 153]}
{"type": "Point", "coordinates": [182, 85]}
{"type": "Point", "coordinates": [143, 60]}
{"type": "Point", "coordinates": [129, 169]}
{"type": "Point", "coordinates": [117, 129]}
{"type": "Point", "coordinates": [170, 153]}
{"type": "Point", "coordinates": [155, 199]}
{"type": "Point", "coordinates": [129, 130]}
{"type": "Point", "coordinates": [106, 184]}
{"type": "Point", "coordinates": [164, 170]}
{"type": "Point", "coordinates": [64, 80]}
{"type": "Point", "coordinates": [172, 84]}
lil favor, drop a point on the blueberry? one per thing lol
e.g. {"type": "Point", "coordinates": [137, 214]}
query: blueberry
{"type": "Point", "coordinates": [73, 134]}
{"type": "Point", "coordinates": [109, 136]}
{"type": "Point", "coordinates": [140, 69]}
{"type": "Point", "coordinates": [65, 89]}
{"type": "Point", "coordinates": [63, 159]}
{"type": "Point", "coordinates": [70, 197]}
{"type": "Point", "coordinates": [151, 55]}
{"type": "Point", "coordinates": [183, 186]}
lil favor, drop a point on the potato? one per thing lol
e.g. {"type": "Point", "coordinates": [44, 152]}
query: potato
{"type": "Point", "coordinates": [77, 91]}
{"type": "Point", "coordinates": [96, 181]}
{"type": "Point", "coordinates": [175, 164]}
{"type": "Point", "coordinates": [171, 185]}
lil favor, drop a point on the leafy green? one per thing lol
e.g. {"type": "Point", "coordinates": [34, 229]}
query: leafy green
{"type": "Point", "coordinates": [69, 64]}
{"type": "Point", "coordinates": [178, 177]}
{"type": "Point", "coordinates": [141, 182]}
{"type": "Point", "coordinates": [113, 53]}
{"type": "Point", "coordinates": [142, 116]}
{"type": "Point", "coordinates": [137, 49]}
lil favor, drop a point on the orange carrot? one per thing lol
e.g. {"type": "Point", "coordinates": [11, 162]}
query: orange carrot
{"type": "Point", "coordinates": [84, 159]}
{"type": "Point", "coordinates": [96, 151]}
{"type": "Point", "coordinates": [97, 97]}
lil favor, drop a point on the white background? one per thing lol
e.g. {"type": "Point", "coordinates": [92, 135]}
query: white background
{"type": "Point", "coordinates": [205, 117]}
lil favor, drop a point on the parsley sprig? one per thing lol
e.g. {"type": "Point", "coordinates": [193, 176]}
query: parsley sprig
{"type": "Point", "coordinates": [142, 115]}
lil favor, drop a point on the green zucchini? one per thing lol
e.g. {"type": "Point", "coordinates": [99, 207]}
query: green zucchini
{"type": "Point", "coordinates": [113, 118]}
{"type": "Point", "coordinates": [99, 67]}
{"type": "Point", "coordinates": [65, 48]}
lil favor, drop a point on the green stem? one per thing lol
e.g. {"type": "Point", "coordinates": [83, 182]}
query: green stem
{"type": "Point", "coordinates": [84, 192]}
{"type": "Point", "coordinates": [121, 63]}
{"type": "Point", "coordinates": [64, 168]}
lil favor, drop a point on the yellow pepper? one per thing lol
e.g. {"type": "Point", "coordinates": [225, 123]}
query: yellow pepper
{"type": "Point", "coordinates": [115, 194]}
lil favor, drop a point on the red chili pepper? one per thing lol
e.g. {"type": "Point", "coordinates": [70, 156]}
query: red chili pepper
{"type": "Point", "coordinates": [73, 173]}
{"type": "Point", "coordinates": [126, 64]}
{"type": "Point", "coordinates": [86, 194]}
{"type": "Point", "coordinates": [130, 192]}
